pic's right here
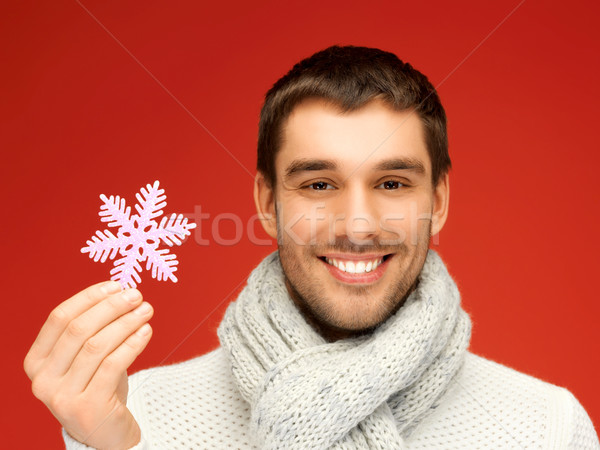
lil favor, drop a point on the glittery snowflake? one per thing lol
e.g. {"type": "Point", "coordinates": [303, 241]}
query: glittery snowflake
{"type": "Point", "coordinates": [138, 237]}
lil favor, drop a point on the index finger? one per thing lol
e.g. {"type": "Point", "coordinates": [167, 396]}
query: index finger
{"type": "Point", "coordinates": [60, 316]}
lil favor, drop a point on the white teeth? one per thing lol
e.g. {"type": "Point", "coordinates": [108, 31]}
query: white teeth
{"type": "Point", "coordinates": [355, 267]}
{"type": "Point", "coordinates": [360, 267]}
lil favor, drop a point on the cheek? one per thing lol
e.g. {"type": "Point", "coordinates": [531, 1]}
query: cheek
{"type": "Point", "coordinates": [302, 221]}
{"type": "Point", "coordinates": [405, 221]}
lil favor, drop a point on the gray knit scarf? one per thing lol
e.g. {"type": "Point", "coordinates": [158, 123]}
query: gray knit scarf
{"type": "Point", "coordinates": [366, 392]}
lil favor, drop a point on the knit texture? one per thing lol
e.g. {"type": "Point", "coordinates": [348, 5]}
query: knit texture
{"type": "Point", "coordinates": [198, 404]}
{"type": "Point", "coordinates": [370, 391]}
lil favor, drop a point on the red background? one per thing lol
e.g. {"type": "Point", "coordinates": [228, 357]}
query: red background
{"type": "Point", "coordinates": [81, 117]}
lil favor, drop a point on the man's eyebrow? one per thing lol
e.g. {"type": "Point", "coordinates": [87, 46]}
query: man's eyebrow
{"type": "Point", "coordinates": [302, 165]}
{"type": "Point", "coordinates": [411, 164]}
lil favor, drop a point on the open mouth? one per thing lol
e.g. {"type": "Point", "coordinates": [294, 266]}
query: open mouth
{"type": "Point", "coordinates": [356, 268]}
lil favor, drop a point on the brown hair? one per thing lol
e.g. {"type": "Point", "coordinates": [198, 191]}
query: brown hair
{"type": "Point", "coordinates": [350, 77]}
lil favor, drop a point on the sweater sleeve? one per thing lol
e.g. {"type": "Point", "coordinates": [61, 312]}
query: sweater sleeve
{"type": "Point", "coordinates": [582, 435]}
{"type": "Point", "coordinates": [72, 444]}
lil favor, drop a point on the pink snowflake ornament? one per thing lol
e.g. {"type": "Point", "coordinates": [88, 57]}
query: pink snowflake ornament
{"type": "Point", "coordinates": [138, 237]}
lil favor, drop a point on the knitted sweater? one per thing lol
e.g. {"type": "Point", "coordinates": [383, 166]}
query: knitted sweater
{"type": "Point", "coordinates": [195, 404]}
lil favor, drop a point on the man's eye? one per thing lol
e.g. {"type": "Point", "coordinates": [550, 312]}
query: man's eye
{"type": "Point", "coordinates": [390, 184]}
{"type": "Point", "coordinates": [320, 186]}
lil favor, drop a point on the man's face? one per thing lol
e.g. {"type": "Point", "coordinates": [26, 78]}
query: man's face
{"type": "Point", "coordinates": [354, 204]}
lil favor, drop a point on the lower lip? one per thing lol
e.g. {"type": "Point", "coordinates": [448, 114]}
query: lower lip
{"type": "Point", "coordinates": [358, 278]}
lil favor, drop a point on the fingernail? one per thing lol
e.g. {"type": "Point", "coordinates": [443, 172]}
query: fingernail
{"type": "Point", "coordinates": [131, 295]}
{"type": "Point", "coordinates": [144, 330]}
{"type": "Point", "coordinates": [110, 287]}
{"type": "Point", "coordinates": [143, 309]}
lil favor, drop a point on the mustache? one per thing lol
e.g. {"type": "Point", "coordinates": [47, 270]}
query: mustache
{"type": "Point", "coordinates": [348, 246]}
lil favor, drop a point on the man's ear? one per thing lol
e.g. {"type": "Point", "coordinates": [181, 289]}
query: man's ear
{"type": "Point", "coordinates": [264, 199]}
{"type": "Point", "coordinates": [441, 198]}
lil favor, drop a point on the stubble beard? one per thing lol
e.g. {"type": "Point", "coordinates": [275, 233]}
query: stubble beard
{"type": "Point", "coordinates": [321, 314]}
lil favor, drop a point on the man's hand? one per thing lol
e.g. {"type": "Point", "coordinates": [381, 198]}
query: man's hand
{"type": "Point", "coordinates": [78, 363]}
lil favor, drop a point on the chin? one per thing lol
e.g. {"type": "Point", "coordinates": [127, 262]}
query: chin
{"type": "Point", "coordinates": [354, 315]}
{"type": "Point", "coordinates": [338, 301]}
{"type": "Point", "coordinates": [360, 320]}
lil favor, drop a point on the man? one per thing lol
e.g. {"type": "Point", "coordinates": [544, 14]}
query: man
{"type": "Point", "coordinates": [351, 335]}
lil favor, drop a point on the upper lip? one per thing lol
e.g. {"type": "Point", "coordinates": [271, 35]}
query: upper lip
{"type": "Point", "coordinates": [354, 256]}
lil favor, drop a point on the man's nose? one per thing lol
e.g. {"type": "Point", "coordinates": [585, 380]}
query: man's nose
{"type": "Point", "coordinates": [358, 213]}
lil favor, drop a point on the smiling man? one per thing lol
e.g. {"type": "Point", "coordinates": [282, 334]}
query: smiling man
{"type": "Point", "coordinates": [358, 189]}
{"type": "Point", "coordinates": [351, 335]}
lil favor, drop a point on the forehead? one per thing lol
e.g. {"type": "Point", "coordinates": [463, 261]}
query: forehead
{"type": "Point", "coordinates": [358, 141]}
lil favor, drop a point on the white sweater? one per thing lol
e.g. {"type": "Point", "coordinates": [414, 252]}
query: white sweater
{"type": "Point", "coordinates": [195, 404]}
